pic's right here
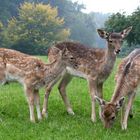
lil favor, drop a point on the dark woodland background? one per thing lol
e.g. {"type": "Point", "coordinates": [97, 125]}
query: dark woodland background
{"type": "Point", "coordinates": [32, 26]}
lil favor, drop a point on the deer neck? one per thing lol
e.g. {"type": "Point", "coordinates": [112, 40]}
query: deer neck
{"type": "Point", "coordinates": [54, 70]}
{"type": "Point", "coordinates": [122, 88]}
{"type": "Point", "coordinates": [110, 59]}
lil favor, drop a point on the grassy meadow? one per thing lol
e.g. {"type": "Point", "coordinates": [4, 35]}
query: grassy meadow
{"type": "Point", "coordinates": [15, 123]}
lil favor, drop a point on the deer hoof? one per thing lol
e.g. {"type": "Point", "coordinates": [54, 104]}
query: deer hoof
{"type": "Point", "coordinates": [93, 119]}
{"type": "Point", "coordinates": [45, 115]}
{"type": "Point", "coordinates": [32, 121]}
{"type": "Point", "coordinates": [70, 112]}
{"type": "Point", "coordinates": [40, 118]}
{"type": "Point", "coordinates": [124, 126]}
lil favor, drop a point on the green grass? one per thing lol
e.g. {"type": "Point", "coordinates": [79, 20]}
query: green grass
{"type": "Point", "coordinates": [15, 123]}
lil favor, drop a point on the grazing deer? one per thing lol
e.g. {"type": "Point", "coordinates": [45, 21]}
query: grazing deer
{"type": "Point", "coordinates": [93, 64]}
{"type": "Point", "coordinates": [32, 73]}
{"type": "Point", "coordinates": [128, 79]}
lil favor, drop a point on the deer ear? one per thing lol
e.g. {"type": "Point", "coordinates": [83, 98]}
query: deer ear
{"type": "Point", "coordinates": [126, 31]}
{"type": "Point", "coordinates": [58, 51]}
{"type": "Point", "coordinates": [102, 33]}
{"type": "Point", "coordinates": [65, 51]}
{"type": "Point", "coordinates": [100, 101]}
{"type": "Point", "coordinates": [55, 48]}
{"type": "Point", "coordinates": [120, 103]}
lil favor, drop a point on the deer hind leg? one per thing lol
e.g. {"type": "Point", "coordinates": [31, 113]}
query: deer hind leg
{"type": "Point", "coordinates": [46, 97]}
{"type": "Point", "coordinates": [62, 89]}
{"type": "Point", "coordinates": [37, 103]}
{"type": "Point", "coordinates": [30, 98]}
{"type": "Point", "coordinates": [93, 92]}
{"type": "Point", "coordinates": [45, 103]}
{"type": "Point", "coordinates": [127, 110]}
{"type": "Point", "coordinates": [131, 110]}
{"type": "Point", "coordinates": [2, 75]}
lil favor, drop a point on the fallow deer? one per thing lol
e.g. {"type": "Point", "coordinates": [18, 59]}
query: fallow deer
{"type": "Point", "coordinates": [128, 79]}
{"type": "Point", "coordinates": [32, 73]}
{"type": "Point", "coordinates": [93, 64]}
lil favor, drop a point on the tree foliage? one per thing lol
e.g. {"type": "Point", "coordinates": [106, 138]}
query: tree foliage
{"type": "Point", "coordinates": [8, 8]}
{"type": "Point", "coordinates": [135, 22]}
{"type": "Point", "coordinates": [83, 29]}
{"type": "Point", "coordinates": [82, 25]}
{"type": "Point", "coordinates": [118, 22]}
{"type": "Point", "coordinates": [27, 29]}
{"type": "Point", "coordinates": [35, 28]}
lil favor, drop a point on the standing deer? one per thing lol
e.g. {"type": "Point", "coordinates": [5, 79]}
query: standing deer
{"type": "Point", "coordinates": [93, 64]}
{"type": "Point", "coordinates": [32, 73]}
{"type": "Point", "coordinates": [128, 79]}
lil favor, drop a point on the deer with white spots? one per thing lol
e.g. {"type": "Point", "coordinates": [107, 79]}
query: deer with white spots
{"type": "Point", "coordinates": [32, 73]}
{"type": "Point", "coordinates": [93, 64]}
{"type": "Point", "coordinates": [127, 82]}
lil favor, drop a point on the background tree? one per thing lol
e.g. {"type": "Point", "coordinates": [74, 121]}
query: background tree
{"type": "Point", "coordinates": [35, 28]}
{"type": "Point", "coordinates": [1, 33]}
{"type": "Point", "coordinates": [83, 29]}
{"type": "Point", "coordinates": [82, 26]}
{"type": "Point", "coordinates": [8, 8]}
{"type": "Point", "coordinates": [134, 20]}
{"type": "Point", "coordinates": [118, 22]}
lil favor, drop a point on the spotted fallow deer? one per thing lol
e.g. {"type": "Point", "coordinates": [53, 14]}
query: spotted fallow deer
{"type": "Point", "coordinates": [32, 73]}
{"type": "Point", "coordinates": [93, 64]}
{"type": "Point", "coordinates": [127, 81]}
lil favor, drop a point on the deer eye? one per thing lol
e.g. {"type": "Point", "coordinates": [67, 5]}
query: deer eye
{"type": "Point", "coordinates": [113, 117]}
{"type": "Point", "coordinates": [110, 41]}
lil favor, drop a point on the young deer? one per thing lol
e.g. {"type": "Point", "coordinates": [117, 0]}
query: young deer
{"type": "Point", "coordinates": [128, 79]}
{"type": "Point", "coordinates": [32, 73]}
{"type": "Point", "coordinates": [93, 64]}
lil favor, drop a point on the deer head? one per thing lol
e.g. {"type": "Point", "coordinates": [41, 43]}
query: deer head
{"type": "Point", "coordinates": [109, 111]}
{"type": "Point", "coordinates": [114, 39]}
{"type": "Point", "coordinates": [66, 57]}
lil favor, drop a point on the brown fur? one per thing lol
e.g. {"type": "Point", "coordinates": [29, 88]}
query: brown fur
{"type": "Point", "coordinates": [83, 55]}
{"type": "Point", "coordinates": [93, 64]}
{"type": "Point", "coordinates": [128, 79]}
{"type": "Point", "coordinates": [32, 73]}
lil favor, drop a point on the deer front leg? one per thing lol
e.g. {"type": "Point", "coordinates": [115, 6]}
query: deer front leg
{"type": "Point", "coordinates": [37, 103]}
{"type": "Point", "coordinates": [128, 108]}
{"type": "Point", "coordinates": [45, 103]}
{"type": "Point", "coordinates": [30, 98]}
{"type": "Point", "coordinates": [62, 89]}
{"type": "Point", "coordinates": [100, 94]}
{"type": "Point", "coordinates": [48, 90]}
{"type": "Point", "coordinates": [93, 90]}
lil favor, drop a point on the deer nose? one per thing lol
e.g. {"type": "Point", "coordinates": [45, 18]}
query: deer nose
{"type": "Point", "coordinates": [107, 126]}
{"type": "Point", "coordinates": [118, 51]}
